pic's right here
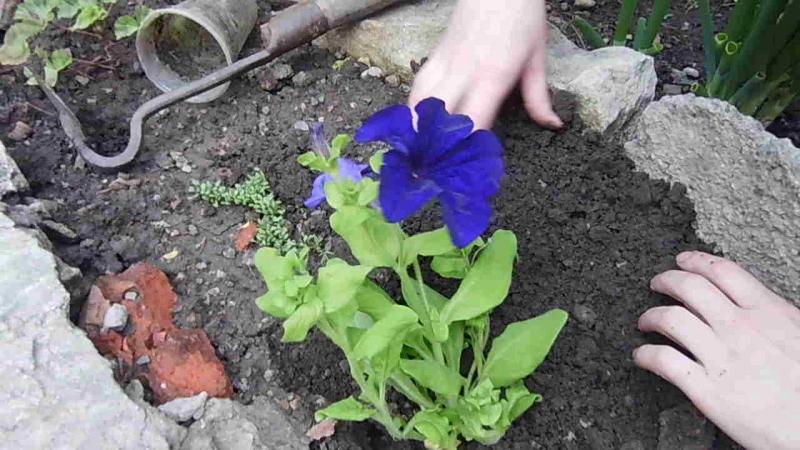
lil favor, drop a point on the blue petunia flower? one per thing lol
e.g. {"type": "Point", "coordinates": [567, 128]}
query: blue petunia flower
{"type": "Point", "coordinates": [442, 159]}
{"type": "Point", "coordinates": [346, 168]}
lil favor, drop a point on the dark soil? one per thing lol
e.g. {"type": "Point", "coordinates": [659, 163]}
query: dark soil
{"type": "Point", "coordinates": [591, 233]}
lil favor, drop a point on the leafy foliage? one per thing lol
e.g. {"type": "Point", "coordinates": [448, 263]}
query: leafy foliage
{"type": "Point", "coordinates": [255, 193]}
{"type": "Point", "coordinates": [126, 26]}
{"type": "Point", "coordinates": [645, 35]}
{"type": "Point", "coordinates": [54, 63]}
{"type": "Point", "coordinates": [754, 63]}
{"type": "Point", "coordinates": [413, 346]}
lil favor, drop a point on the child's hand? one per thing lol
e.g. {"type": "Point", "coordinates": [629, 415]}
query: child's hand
{"type": "Point", "coordinates": [488, 47]}
{"type": "Point", "coordinates": [746, 344]}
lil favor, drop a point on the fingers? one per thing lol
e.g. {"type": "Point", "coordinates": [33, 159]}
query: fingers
{"type": "Point", "coordinates": [483, 98]}
{"type": "Point", "coordinates": [697, 293]}
{"type": "Point", "coordinates": [535, 92]}
{"type": "Point", "coordinates": [685, 329]}
{"type": "Point", "coordinates": [675, 367]}
{"type": "Point", "coordinates": [735, 282]}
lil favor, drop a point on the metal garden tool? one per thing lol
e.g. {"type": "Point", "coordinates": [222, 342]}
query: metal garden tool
{"type": "Point", "coordinates": [224, 21]}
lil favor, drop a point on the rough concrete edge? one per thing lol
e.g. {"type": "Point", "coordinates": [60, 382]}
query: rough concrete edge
{"type": "Point", "coordinates": [786, 152]}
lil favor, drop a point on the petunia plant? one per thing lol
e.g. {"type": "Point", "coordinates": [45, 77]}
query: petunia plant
{"type": "Point", "coordinates": [433, 350]}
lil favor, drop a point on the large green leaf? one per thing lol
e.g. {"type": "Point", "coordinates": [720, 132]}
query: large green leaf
{"type": "Point", "coordinates": [430, 243]}
{"type": "Point", "coordinates": [393, 326]}
{"type": "Point", "coordinates": [435, 427]}
{"type": "Point", "coordinates": [67, 9]}
{"type": "Point", "coordinates": [486, 285]}
{"type": "Point", "coordinates": [338, 283]}
{"type": "Point", "coordinates": [373, 301]}
{"type": "Point", "coordinates": [88, 16]}
{"type": "Point", "coordinates": [372, 240]}
{"type": "Point", "coordinates": [274, 268]}
{"type": "Point", "coordinates": [517, 400]}
{"type": "Point", "coordinates": [15, 49]}
{"type": "Point", "coordinates": [295, 328]}
{"type": "Point", "coordinates": [347, 409]}
{"type": "Point", "coordinates": [433, 375]}
{"type": "Point", "coordinates": [276, 304]}
{"type": "Point", "coordinates": [521, 347]}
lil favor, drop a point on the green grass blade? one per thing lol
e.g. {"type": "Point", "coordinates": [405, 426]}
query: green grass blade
{"type": "Point", "coordinates": [709, 42]}
{"type": "Point", "coordinates": [752, 58]}
{"type": "Point", "coordinates": [786, 58]}
{"type": "Point", "coordinates": [589, 33]}
{"type": "Point", "coordinates": [742, 17]}
{"type": "Point", "coordinates": [660, 10]}
{"type": "Point", "coordinates": [638, 37]}
{"type": "Point", "coordinates": [624, 21]}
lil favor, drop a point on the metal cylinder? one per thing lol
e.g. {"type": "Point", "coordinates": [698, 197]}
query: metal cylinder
{"type": "Point", "coordinates": [187, 41]}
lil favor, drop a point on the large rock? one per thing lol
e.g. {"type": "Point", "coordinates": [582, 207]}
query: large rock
{"type": "Point", "coordinates": [744, 182]}
{"type": "Point", "coordinates": [57, 391]}
{"type": "Point", "coordinates": [606, 87]}
{"type": "Point", "coordinates": [227, 425]}
{"type": "Point", "coordinates": [11, 179]}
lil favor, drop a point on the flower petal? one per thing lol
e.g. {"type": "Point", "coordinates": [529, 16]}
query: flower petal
{"type": "Point", "coordinates": [318, 191]}
{"type": "Point", "coordinates": [318, 142]}
{"type": "Point", "coordinates": [350, 169]}
{"type": "Point", "coordinates": [473, 168]}
{"type": "Point", "coordinates": [438, 131]}
{"type": "Point", "coordinates": [392, 125]}
{"type": "Point", "coordinates": [401, 193]}
{"type": "Point", "coordinates": [466, 218]}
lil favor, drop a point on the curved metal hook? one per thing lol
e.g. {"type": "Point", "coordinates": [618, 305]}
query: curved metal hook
{"type": "Point", "coordinates": [72, 127]}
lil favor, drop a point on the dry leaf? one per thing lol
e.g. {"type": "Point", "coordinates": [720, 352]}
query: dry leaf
{"type": "Point", "coordinates": [245, 236]}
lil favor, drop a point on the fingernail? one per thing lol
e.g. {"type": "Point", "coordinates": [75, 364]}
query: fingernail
{"type": "Point", "coordinates": [682, 257]}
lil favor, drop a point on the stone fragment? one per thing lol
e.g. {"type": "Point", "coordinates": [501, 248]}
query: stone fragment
{"type": "Point", "coordinates": [115, 318]}
{"type": "Point", "coordinates": [744, 182]}
{"type": "Point", "coordinates": [372, 72]}
{"type": "Point", "coordinates": [58, 231]}
{"type": "Point", "coordinates": [20, 132]}
{"type": "Point", "coordinates": [11, 179]}
{"type": "Point", "coordinates": [281, 71]}
{"type": "Point", "coordinates": [302, 79]}
{"type": "Point", "coordinates": [585, 4]}
{"type": "Point", "coordinates": [185, 408]}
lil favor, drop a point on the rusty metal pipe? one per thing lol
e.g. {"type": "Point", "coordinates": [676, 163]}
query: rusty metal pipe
{"type": "Point", "coordinates": [287, 30]}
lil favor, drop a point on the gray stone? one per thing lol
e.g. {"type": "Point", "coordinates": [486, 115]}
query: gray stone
{"type": "Point", "coordinates": [605, 87]}
{"type": "Point", "coordinates": [392, 80]}
{"type": "Point", "coordinates": [302, 79]}
{"type": "Point", "coordinates": [672, 89]}
{"type": "Point", "coordinates": [20, 132]}
{"type": "Point", "coordinates": [186, 408]}
{"type": "Point", "coordinates": [684, 428]}
{"type": "Point", "coordinates": [743, 181]}
{"type": "Point", "coordinates": [116, 317]}
{"type": "Point", "coordinates": [58, 231]}
{"type": "Point", "coordinates": [301, 125]}
{"type": "Point", "coordinates": [11, 179]}
{"type": "Point", "coordinates": [372, 72]}
{"type": "Point", "coordinates": [691, 72]}
{"type": "Point", "coordinates": [281, 71]}
{"type": "Point", "coordinates": [63, 393]}
{"type": "Point", "coordinates": [585, 4]}
{"type": "Point", "coordinates": [227, 425]}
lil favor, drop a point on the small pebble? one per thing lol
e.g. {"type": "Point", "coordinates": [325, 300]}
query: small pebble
{"type": "Point", "coordinates": [585, 315]}
{"type": "Point", "coordinates": [300, 125]}
{"type": "Point", "coordinates": [192, 230]}
{"type": "Point", "coordinates": [691, 72]}
{"type": "Point", "coordinates": [229, 253]}
{"type": "Point", "coordinates": [672, 89]}
{"type": "Point", "coordinates": [131, 295]}
{"type": "Point", "coordinates": [20, 132]}
{"type": "Point", "coordinates": [302, 79]}
{"type": "Point", "coordinates": [585, 4]}
{"type": "Point", "coordinates": [392, 80]}
{"type": "Point", "coordinates": [116, 317]}
{"type": "Point", "coordinates": [372, 72]}
{"type": "Point", "coordinates": [281, 71]}
{"type": "Point", "coordinates": [564, 6]}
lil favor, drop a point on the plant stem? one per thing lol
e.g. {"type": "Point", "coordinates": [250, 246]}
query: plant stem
{"type": "Point", "coordinates": [752, 57]}
{"type": "Point", "coordinates": [777, 102]}
{"type": "Point", "coordinates": [660, 9]}
{"type": "Point", "coordinates": [785, 59]}
{"type": "Point", "coordinates": [589, 33]}
{"type": "Point", "coordinates": [747, 93]}
{"type": "Point", "coordinates": [787, 25]}
{"type": "Point", "coordinates": [407, 387]}
{"type": "Point", "coordinates": [624, 21]}
{"type": "Point", "coordinates": [638, 36]}
{"type": "Point", "coordinates": [741, 19]}
{"type": "Point", "coordinates": [709, 47]}
{"type": "Point", "coordinates": [437, 346]}
{"type": "Point", "coordinates": [728, 54]}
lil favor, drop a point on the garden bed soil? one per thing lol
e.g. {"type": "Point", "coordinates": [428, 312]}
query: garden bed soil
{"type": "Point", "coordinates": [591, 234]}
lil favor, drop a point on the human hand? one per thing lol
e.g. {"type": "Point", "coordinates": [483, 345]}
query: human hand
{"type": "Point", "coordinates": [488, 47]}
{"type": "Point", "coordinates": [746, 344]}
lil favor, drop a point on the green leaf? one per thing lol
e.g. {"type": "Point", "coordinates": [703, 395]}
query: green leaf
{"type": "Point", "coordinates": [276, 304]}
{"type": "Point", "coordinates": [433, 375]}
{"type": "Point", "coordinates": [334, 195]}
{"type": "Point", "coordinates": [522, 346]}
{"type": "Point", "coordinates": [373, 301]}
{"type": "Point", "coordinates": [436, 430]}
{"type": "Point", "coordinates": [88, 16]}
{"type": "Point", "coordinates": [339, 143]}
{"type": "Point", "coordinates": [39, 12]}
{"type": "Point", "coordinates": [372, 240]}
{"type": "Point", "coordinates": [368, 192]}
{"type": "Point", "coordinates": [430, 243]}
{"type": "Point", "coordinates": [517, 400]}
{"type": "Point", "coordinates": [348, 409]}
{"type": "Point", "coordinates": [338, 283]}
{"type": "Point", "coordinates": [454, 345]}
{"type": "Point", "coordinates": [486, 285]}
{"type": "Point", "coordinates": [125, 26]}
{"type": "Point", "coordinates": [295, 328]}
{"type": "Point", "coordinates": [67, 9]}
{"type": "Point", "coordinates": [274, 268]}
{"type": "Point", "coordinates": [57, 61]}
{"type": "Point", "coordinates": [140, 13]}
{"type": "Point", "coordinates": [449, 266]}
{"type": "Point", "coordinates": [313, 161]}
{"type": "Point", "coordinates": [391, 327]}
{"type": "Point", "coordinates": [15, 49]}
{"type": "Point", "coordinates": [376, 161]}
